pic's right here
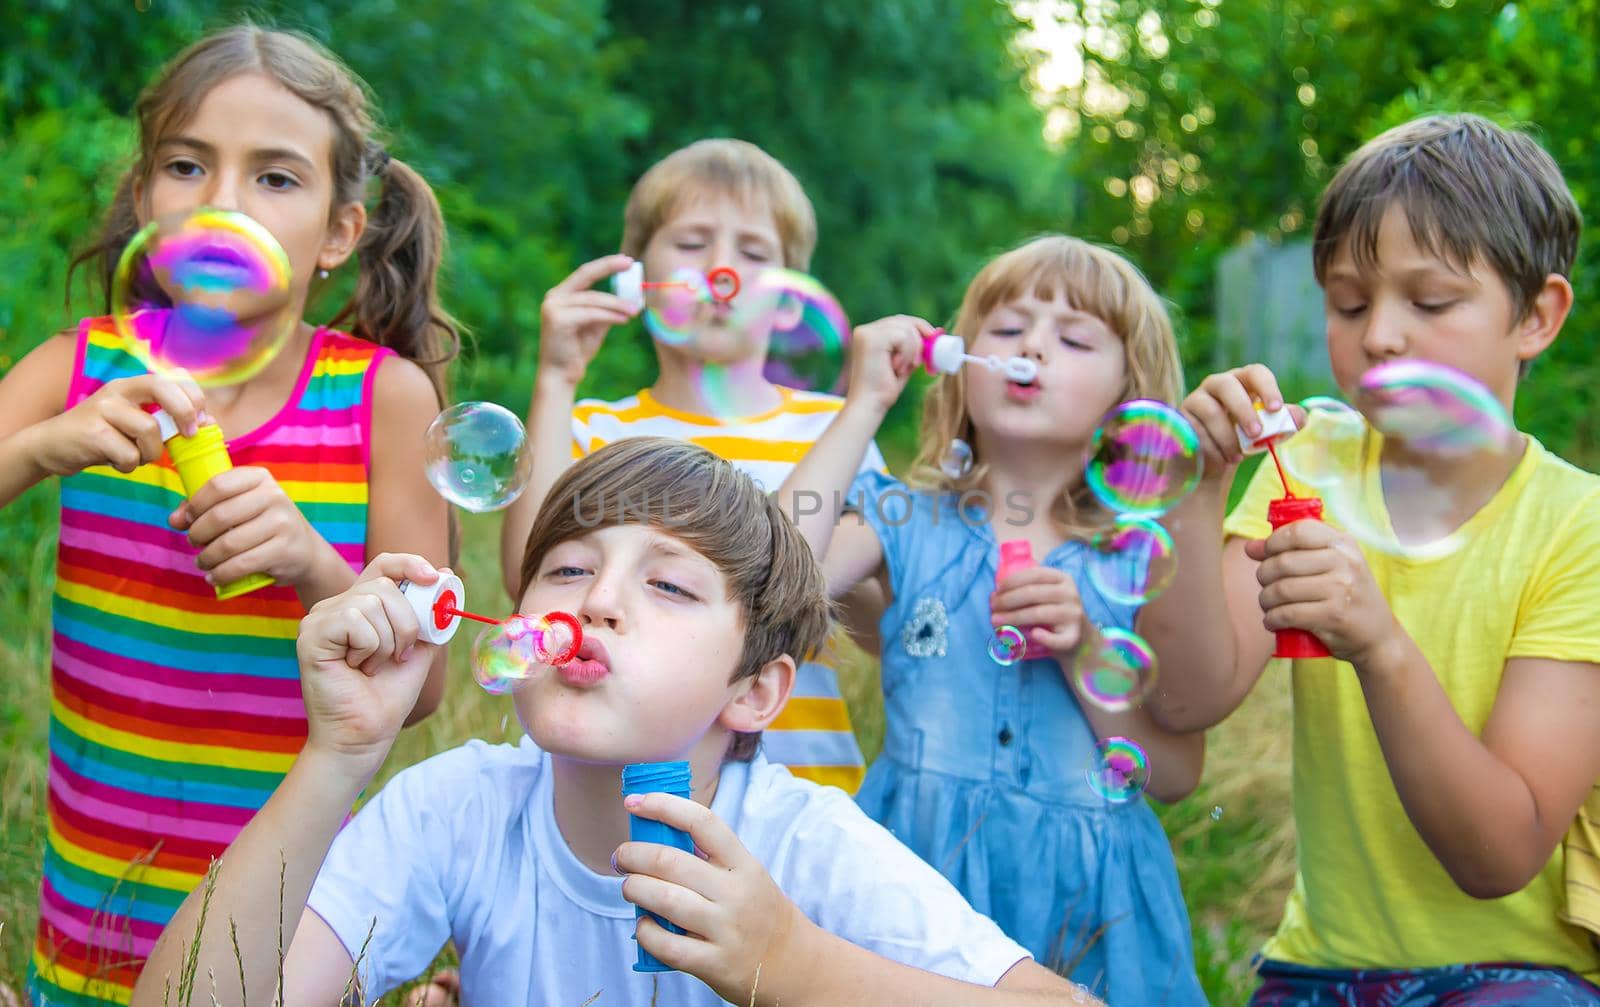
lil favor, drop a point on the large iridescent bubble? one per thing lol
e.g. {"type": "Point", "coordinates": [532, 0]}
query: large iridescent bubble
{"type": "Point", "coordinates": [476, 455]}
{"type": "Point", "coordinates": [1143, 460]}
{"type": "Point", "coordinates": [204, 295]}
{"type": "Point", "coordinates": [1118, 771]}
{"type": "Point", "coordinates": [1389, 470]}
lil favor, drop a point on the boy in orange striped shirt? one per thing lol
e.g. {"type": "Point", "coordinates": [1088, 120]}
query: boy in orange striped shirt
{"type": "Point", "coordinates": [711, 204]}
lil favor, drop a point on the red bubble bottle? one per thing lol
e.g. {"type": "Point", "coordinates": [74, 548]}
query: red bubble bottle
{"type": "Point", "coordinates": [1288, 509]}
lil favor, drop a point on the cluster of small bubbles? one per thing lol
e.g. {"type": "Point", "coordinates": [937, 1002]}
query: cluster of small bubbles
{"type": "Point", "coordinates": [957, 460]}
{"type": "Point", "coordinates": [1007, 646]}
{"type": "Point", "coordinates": [509, 653]}
{"type": "Point", "coordinates": [1133, 560]}
{"type": "Point", "coordinates": [1115, 669]}
{"type": "Point", "coordinates": [1118, 771]}
{"type": "Point", "coordinates": [476, 455]}
{"type": "Point", "coordinates": [204, 295]}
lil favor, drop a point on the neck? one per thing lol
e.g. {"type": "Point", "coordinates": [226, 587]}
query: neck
{"type": "Point", "coordinates": [588, 799]}
{"type": "Point", "coordinates": [1457, 488]}
{"type": "Point", "coordinates": [739, 389]}
{"type": "Point", "coordinates": [1024, 491]}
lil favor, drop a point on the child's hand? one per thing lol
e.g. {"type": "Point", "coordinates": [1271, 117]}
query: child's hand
{"type": "Point", "coordinates": [243, 522]}
{"type": "Point", "coordinates": [110, 427]}
{"type": "Point", "coordinates": [575, 319]}
{"type": "Point", "coordinates": [361, 665]}
{"type": "Point", "coordinates": [738, 921]}
{"type": "Point", "coordinates": [1046, 599]}
{"type": "Point", "coordinates": [1225, 401]}
{"type": "Point", "coordinates": [1313, 577]}
{"type": "Point", "coordinates": [883, 356]}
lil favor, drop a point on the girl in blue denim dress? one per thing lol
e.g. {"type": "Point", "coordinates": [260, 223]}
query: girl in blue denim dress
{"type": "Point", "coordinates": [984, 766]}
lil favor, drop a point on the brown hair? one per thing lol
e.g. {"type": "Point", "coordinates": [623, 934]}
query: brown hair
{"type": "Point", "coordinates": [1094, 279]}
{"type": "Point", "coordinates": [1470, 190]}
{"type": "Point", "coordinates": [396, 299]}
{"type": "Point", "coordinates": [742, 170]}
{"type": "Point", "coordinates": [716, 510]}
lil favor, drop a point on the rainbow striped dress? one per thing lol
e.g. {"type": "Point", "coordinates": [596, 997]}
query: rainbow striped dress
{"type": "Point", "coordinates": [174, 715]}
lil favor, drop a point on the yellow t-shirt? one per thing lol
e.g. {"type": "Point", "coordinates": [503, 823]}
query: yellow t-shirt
{"type": "Point", "coordinates": [1525, 582]}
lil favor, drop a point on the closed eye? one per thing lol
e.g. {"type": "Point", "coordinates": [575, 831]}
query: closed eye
{"type": "Point", "coordinates": [1349, 312]}
{"type": "Point", "coordinates": [1434, 308]}
{"type": "Point", "coordinates": [1006, 333]}
{"type": "Point", "coordinates": [1076, 344]}
{"type": "Point", "coordinates": [667, 587]}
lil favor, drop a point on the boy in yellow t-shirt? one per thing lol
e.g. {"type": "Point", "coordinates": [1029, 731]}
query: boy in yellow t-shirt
{"type": "Point", "coordinates": [1442, 754]}
{"type": "Point", "coordinates": [713, 204]}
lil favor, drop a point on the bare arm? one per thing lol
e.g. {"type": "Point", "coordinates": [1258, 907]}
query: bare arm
{"type": "Point", "coordinates": [361, 668]}
{"type": "Point", "coordinates": [573, 321]}
{"type": "Point", "coordinates": [406, 514]}
{"type": "Point", "coordinates": [1492, 809]}
{"type": "Point", "coordinates": [550, 443]}
{"type": "Point", "coordinates": [813, 497]}
{"type": "Point", "coordinates": [1206, 626]}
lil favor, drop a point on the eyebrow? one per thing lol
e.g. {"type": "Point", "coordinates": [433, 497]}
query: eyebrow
{"type": "Point", "coordinates": [259, 154]}
{"type": "Point", "coordinates": [695, 225]}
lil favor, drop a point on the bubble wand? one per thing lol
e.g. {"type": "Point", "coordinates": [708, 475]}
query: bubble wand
{"type": "Point", "coordinates": [721, 284]}
{"type": "Point", "coordinates": [1277, 424]}
{"type": "Point", "coordinates": [945, 353]}
{"type": "Point", "coordinates": [439, 611]}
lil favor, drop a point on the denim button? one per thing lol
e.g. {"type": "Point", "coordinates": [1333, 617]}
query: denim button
{"type": "Point", "coordinates": [1005, 735]}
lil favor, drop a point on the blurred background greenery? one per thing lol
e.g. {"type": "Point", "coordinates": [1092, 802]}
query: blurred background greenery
{"type": "Point", "coordinates": [929, 133]}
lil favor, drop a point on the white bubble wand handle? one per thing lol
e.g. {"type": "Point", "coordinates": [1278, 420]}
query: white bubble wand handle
{"type": "Point", "coordinates": [438, 607]}
{"type": "Point", "coordinates": [945, 353]}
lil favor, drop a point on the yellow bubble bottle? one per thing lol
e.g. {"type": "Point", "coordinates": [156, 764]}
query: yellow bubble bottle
{"type": "Point", "coordinates": [198, 459]}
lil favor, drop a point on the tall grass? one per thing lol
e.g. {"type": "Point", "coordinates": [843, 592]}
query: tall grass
{"type": "Point", "coordinates": [1236, 866]}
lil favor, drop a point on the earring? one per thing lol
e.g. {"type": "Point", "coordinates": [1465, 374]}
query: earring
{"type": "Point", "coordinates": [323, 273]}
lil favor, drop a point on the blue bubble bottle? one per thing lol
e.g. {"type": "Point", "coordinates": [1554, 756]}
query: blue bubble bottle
{"type": "Point", "coordinates": [656, 778]}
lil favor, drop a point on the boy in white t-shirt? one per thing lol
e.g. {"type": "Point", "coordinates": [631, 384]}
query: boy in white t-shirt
{"type": "Point", "coordinates": [694, 593]}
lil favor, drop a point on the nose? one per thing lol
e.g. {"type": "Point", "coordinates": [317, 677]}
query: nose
{"type": "Point", "coordinates": [1036, 335]}
{"type": "Point", "coordinates": [1385, 336]}
{"type": "Point", "coordinates": [602, 603]}
{"type": "Point", "coordinates": [223, 190]}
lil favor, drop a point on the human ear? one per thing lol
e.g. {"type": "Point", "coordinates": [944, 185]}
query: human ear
{"type": "Point", "coordinates": [1543, 321]}
{"type": "Point", "coordinates": [344, 231]}
{"type": "Point", "coordinates": [758, 699]}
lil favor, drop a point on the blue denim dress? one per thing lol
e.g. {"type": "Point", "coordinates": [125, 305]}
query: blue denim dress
{"type": "Point", "coordinates": [983, 766]}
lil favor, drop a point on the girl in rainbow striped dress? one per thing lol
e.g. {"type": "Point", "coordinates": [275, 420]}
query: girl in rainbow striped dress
{"type": "Point", "coordinates": [174, 714]}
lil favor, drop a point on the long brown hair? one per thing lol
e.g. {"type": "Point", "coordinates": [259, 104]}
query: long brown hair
{"type": "Point", "coordinates": [1096, 280]}
{"type": "Point", "coordinates": [396, 301]}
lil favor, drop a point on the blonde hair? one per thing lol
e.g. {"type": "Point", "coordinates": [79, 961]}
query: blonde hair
{"type": "Point", "coordinates": [719, 512]}
{"type": "Point", "coordinates": [1093, 279]}
{"type": "Point", "coordinates": [732, 167]}
{"type": "Point", "coordinates": [396, 302]}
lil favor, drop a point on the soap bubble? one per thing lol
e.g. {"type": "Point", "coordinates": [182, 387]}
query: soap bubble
{"type": "Point", "coordinates": [1007, 646]}
{"type": "Point", "coordinates": [1118, 771]}
{"type": "Point", "coordinates": [511, 652]}
{"type": "Point", "coordinates": [203, 295]}
{"type": "Point", "coordinates": [476, 455]}
{"type": "Point", "coordinates": [1216, 813]}
{"type": "Point", "coordinates": [806, 330]}
{"type": "Point", "coordinates": [1388, 474]}
{"type": "Point", "coordinates": [1115, 669]}
{"type": "Point", "coordinates": [1134, 560]}
{"type": "Point", "coordinates": [957, 460]}
{"type": "Point", "coordinates": [673, 309]}
{"type": "Point", "coordinates": [1144, 459]}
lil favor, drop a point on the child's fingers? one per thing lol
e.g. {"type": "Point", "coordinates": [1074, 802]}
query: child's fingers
{"type": "Point", "coordinates": [233, 566]}
{"type": "Point", "coordinates": [228, 514]}
{"type": "Point", "coordinates": [137, 426]}
{"type": "Point", "coordinates": [1236, 399]}
{"type": "Point", "coordinates": [579, 317]}
{"type": "Point", "coordinates": [1295, 563]}
{"type": "Point", "coordinates": [398, 566]}
{"type": "Point", "coordinates": [1213, 424]}
{"type": "Point", "coordinates": [230, 543]}
{"type": "Point", "coordinates": [669, 864]}
{"type": "Point", "coordinates": [1299, 535]}
{"type": "Point", "coordinates": [683, 952]}
{"type": "Point", "coordinates": [224, 485]}
{"type": "Point", "coordinates": [1255, 548]}
{"type": "Point", "coordinates": [709, 832]}
{"type": "Point", "coordinates": [592, 272]}
{"type": "Point", "coordinates": [1066, 639]}
{"type": "Point", "coordinates": [1261, 384]}
{"type": "Point", "coordinates": [683, 906]}
{"type": "Point", "coordinates": [1293, 591]}
{"type": "Point", "coordinates": [182, 400]}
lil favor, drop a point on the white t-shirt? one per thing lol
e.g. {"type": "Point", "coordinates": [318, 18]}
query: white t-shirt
{"type": "Point", "coordinates": [465, 846]}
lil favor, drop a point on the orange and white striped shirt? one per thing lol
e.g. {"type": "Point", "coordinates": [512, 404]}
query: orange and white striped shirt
{"type": "Point", "coordinates": [812, 736]}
